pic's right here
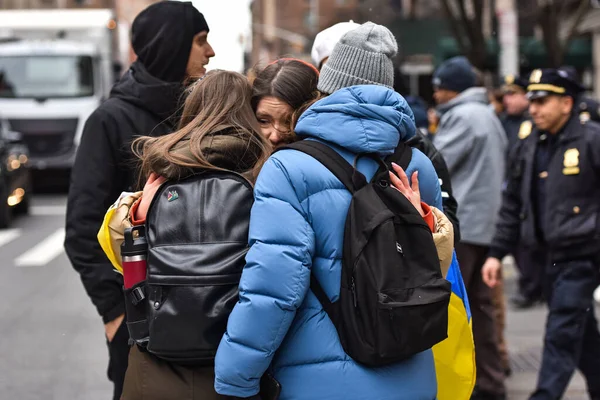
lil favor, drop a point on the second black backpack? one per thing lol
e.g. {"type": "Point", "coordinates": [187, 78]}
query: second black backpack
{"type": "Point", "coordinates": [393, 300]}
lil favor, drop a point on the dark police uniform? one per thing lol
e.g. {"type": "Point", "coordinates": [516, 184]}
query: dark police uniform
{"type": "Point", "coordinates": [587, 108]}
{"type": "Point", "coordinates": [553, 198]}
{"type": "Point", "coordinates": [512, 123]}
{"type": "Point", "coordinates": [529, 260]}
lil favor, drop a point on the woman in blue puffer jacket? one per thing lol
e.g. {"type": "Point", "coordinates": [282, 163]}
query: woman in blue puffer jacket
{"type": "Point", "coordinates": [297, 227]}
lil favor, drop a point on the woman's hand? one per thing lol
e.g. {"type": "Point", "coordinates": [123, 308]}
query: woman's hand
{"type": "Point", "coordinates": [152, 184]}
{"type": "Point", "coordinates": [411, 192]}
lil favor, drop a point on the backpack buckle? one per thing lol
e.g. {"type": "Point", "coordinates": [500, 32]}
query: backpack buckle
{"type": "Point", "coordinates": [137, 295]}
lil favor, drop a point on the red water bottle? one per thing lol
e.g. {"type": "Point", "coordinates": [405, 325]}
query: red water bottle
{"type": "Point", "coordinates": [133, 255]}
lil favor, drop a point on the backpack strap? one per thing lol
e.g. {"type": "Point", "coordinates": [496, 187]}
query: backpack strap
{"type": "Point", "coordinates": [402, 156]}
{"type": "Point", "coordinates": [342, 170]}
{"type": "Point", "coordinates": [331, 160]}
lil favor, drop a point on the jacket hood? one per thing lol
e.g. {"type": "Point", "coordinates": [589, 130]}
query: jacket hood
{"type": "Point", "coordinates": [472, 95]}
{"type": "Point", "coordinates": [362, 119]}
{"type": "Point", "coordinates": [143, 90]}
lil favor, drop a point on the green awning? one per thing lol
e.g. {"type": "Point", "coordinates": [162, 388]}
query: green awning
{"type": "Point", "coordinates": [534, 55]}
{"type": "Point", "coordinates": [448, 47]}
{"type": "Point", "coordinates": [532, 51]}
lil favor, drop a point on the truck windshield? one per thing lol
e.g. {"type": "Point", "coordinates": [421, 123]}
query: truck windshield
{"type": "Point", "coordinates": [46, 76]}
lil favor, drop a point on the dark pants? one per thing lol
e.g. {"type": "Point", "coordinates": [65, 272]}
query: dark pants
{"type": "Point", "coordinates": [498, 302]}
{"type": "Point", "coordinates": [531, 262]}
{"type": "Point", "coordinates": [150, 378]}
{"type": "Point", "coordinates": [118, 353]}
{"type": "Point", "coordinates": [490, 372]}
{"type": "Point", "coordinates": [572, 340]}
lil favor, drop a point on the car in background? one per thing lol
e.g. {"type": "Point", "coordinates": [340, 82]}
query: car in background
{"type": "Point", "coordinates": [15, 176]}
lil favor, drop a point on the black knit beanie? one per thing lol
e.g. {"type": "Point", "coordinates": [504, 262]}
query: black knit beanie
{"type": "Point", "coordinates": [162, 37]}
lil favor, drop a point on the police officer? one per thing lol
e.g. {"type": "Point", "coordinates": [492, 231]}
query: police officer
{"type": "Point", "coordinates": [587, 108]}
{"type": "Point", "coordinates": [531, 270]}
{"type": "Point", "coordinates": [516, 105]}
{"type": "Point", "coordinates": [552, 198]}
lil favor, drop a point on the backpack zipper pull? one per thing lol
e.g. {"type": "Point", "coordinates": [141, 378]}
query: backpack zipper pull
{"type": "Point", "coordinates": [399, 249]}
{"type": "Point", "coordinates": [353, 289]}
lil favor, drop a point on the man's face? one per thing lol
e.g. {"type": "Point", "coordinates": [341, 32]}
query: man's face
{"type": "Point", "coordinates": [515, 103]}
{"type": "Point", "coordinates": [549, 113]}
{"type": "Point", "coordinates": [442, 96]}
{"type": "Point", "coordinates": [200, 54]}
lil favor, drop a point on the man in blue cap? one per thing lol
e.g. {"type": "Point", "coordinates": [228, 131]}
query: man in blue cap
{"type": "Point", "coordinates": [551, 201]}
{"type": "Point", "coordinates": [471, 140]}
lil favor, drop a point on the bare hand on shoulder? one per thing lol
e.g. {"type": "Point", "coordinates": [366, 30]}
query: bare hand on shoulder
{"type": "Point", "coordinates": [410, 191]}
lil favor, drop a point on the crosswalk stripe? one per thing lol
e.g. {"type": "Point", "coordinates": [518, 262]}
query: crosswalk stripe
{"type": "Point", "coordinates": [8, 235]}
{"type": "Point", "coordinates": [41, 211]}
{"type": "Point", "coordinates": [44, 252]}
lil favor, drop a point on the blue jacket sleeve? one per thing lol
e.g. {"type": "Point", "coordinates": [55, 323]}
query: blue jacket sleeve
{"type": "Point", "coordinates": [274, 283]}
{"type": "Point", "coordinates": [429, 183]}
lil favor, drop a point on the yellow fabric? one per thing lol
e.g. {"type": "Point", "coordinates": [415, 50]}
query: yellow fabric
{"type": "Point", "coordinates": [455, 356]}
{"type": "Point", "coordinates": [116, 220]}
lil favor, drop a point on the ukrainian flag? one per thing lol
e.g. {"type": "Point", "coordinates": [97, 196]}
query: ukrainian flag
{"type": "Point", "coordinates": [455, 356]}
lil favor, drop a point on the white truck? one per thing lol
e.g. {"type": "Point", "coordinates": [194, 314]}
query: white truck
{"type": "Point", "coordinates": [56, 67]}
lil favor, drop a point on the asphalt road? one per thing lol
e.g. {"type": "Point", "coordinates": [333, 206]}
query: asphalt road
{"type": "Point", "coordinates": [52, 343]}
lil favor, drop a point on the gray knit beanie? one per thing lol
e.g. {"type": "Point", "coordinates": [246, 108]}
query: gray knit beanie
{"type": "Point", "coordinates": [363, 56]}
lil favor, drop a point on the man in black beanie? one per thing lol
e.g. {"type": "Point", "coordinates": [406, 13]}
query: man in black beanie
{"type": "Point", "coordinates": [170, 40]}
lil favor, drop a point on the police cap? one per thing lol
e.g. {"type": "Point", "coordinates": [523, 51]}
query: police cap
{"type": "Point", "coordinates": [545, 82]}
{"type": "Point", "coordinates": [514, 83]}
{"type": "Point", "coordinates": [588, 109]}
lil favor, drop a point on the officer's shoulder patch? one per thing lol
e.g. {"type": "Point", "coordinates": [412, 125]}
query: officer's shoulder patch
{"type": "Point", "coordinates": [525, 129]}
{"type": "Point", "coordinates": [584, 117]}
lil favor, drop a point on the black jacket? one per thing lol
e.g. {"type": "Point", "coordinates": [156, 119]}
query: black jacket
{"type": "Point", "coordinates": [139, 104]}
{"type": "Point", "coordinates": [572, 200]}
{"type": "Point", "coordinates": [511, 125]}
{"type": "Point", "coordinates": [421, 142]}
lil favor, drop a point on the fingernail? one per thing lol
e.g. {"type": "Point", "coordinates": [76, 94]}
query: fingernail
{"type": "Point", "coordinates": [394, 164]}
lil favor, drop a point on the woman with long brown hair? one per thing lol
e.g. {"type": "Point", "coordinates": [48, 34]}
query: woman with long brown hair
{"type": "Point", "coordinates": [217, 130]}
{"type": "Point", "coordinates": [278, 92]}
{"type": "Point", "coordinates": [218, 133]}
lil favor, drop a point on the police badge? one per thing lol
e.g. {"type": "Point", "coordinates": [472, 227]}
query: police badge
{"type": "Point", "coordinates": [571, 162]}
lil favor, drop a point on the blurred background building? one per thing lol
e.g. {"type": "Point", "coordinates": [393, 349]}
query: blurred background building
{"type": "Point", "coordinates": [541, 33]}
{"type": "Point", "coordinates": [498, 36]}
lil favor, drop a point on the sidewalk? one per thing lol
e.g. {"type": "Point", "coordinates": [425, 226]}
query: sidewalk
{"type": "Point", "coordinates": [525, 335]}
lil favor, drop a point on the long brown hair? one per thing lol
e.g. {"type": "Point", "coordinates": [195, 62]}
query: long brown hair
{"type": "Point", "coordinates": [217, 131]}
{"type": "Point", "coordinates": [290, 80]}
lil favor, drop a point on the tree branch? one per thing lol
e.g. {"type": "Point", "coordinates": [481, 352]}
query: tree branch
{"type": "Point", "coordinates": [466, 21]}
{"type": "Point", "coordinates": [454, 25]}
{"type": "Point", "coordinates": [549, 24]}
{"type": "Point", "coordinates": [579, 14]}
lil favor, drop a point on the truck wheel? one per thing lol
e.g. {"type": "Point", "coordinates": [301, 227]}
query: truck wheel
{"type": "Point", "coordinates": [5, 211]}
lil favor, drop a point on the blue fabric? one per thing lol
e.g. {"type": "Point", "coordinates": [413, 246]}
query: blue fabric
{"type": "Point", "coordinates": [419, 109]}
{"type": "Point", "coordinates": [296, 226]}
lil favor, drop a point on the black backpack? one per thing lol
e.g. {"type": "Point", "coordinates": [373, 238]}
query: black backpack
{"type": "Point", "coordinates": [197, 235]}
{"type": "Point", "coordinates": [393, 300]}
